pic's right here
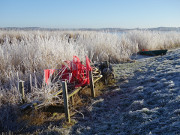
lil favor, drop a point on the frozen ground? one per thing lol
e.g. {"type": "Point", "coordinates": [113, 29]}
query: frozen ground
{"type": "Point", "coordinates": [146, 102]}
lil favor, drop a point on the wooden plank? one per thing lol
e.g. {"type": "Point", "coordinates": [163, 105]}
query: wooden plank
{"type": "Point", "coordinates": [59, 92]}
{"type": "Point", "coordinates": [91, 84]}
{"type": "Point", "coordinates": [78, 89]}
{"type": "Point", "coordinates": [74, 92]}
{"type": "Point", "coordinates": [98, 78]}
{"type": "Point", "coordinates": [66, 105]}
{"type": "Point", "coordinates": [21, 90]}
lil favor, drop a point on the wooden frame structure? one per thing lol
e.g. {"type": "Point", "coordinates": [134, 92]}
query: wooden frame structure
{"type": "Point", "coordinates": [64, 91]}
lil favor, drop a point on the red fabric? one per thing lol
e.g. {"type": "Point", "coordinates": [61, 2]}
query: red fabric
{"type": "Point", "coordinates": [47, 74]}
{"type": "Point", "coordinates": [72, 71]}
{"type": "Point", "coordinates": [65, 73]}
{"type": "Point", "coordinates": [78, 72]}
{"type": "Point", "coordinates": [144, 49]}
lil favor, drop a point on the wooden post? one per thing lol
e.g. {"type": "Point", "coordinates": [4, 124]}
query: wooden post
{"type": "Point", "coordinates": [30, 81]}
{"type": "Point", "coordinates": [65, 96]}
{"type": "Point", "coordinates": [35, 80]}
{"type": "Point", "coordinates": [91, 84]}
{"type": "Point", "coordinates": [21, 90]}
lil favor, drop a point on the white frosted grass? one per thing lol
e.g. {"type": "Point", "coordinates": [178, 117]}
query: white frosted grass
{"type": "Point", "coordinates": [30, 52]}
{"type": "Point", "coordinates": [153, 40]}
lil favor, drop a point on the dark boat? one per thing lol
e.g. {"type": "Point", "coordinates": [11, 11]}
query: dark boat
{"type": "Point", "coordinates": [153, 52]}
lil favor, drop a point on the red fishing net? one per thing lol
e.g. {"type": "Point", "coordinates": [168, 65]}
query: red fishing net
{"type": "Point", "coordinates": [72, 71]}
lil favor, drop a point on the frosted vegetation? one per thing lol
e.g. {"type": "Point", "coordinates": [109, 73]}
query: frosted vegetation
{"type": "Point", "coordinates": [28, 53]}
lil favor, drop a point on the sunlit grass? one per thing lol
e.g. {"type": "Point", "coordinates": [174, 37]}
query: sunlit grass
{"type": "Point", "coordinates": [25, 53]}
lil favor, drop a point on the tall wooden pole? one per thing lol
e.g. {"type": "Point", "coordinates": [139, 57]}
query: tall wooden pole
{"type": "Point", "coordinates": [91, 84]}
{"type": "Point", "coordinates": [21, 90]}
{"type": "Point", "coordinates": [65, 96]}
{"type": "Point", "coordinates": [30, 81]}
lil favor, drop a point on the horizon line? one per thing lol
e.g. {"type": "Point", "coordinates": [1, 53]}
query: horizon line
{"type": "Point", "coordinates": [88, 27]}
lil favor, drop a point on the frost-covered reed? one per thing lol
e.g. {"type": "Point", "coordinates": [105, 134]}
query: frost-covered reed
{"type": "Point", "coordinates": [25, 54]}
{"type": "Point", "coordinates": [153, 40]}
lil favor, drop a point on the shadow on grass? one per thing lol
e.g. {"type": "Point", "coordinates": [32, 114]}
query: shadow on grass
{"type": "Point", "coordinates": [9, 119]}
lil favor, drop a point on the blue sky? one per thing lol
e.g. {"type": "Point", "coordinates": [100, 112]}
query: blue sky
{"type": "Point", "coordinates": [90, 13]}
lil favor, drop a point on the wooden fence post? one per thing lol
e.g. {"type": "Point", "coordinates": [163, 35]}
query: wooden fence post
{"type": "Point", "coordinates": [35, 81]}
{"type": "Point", "coordinates": [30, 81]}
{"type": "Point", "coordinates": [65, 96]}
{"type": "Point", "coordinates": [21, 90]}
{"type": "Point", "coordinates": [91, 84]}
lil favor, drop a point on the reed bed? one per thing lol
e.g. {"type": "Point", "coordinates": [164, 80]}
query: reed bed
{"type": "Point", "coordinates": [25, 53]}
{"type": "Point", "coordinates": [28, 53]}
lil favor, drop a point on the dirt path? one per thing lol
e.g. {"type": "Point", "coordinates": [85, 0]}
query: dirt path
{"type": "Point", "coordinates": [146, 102]}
